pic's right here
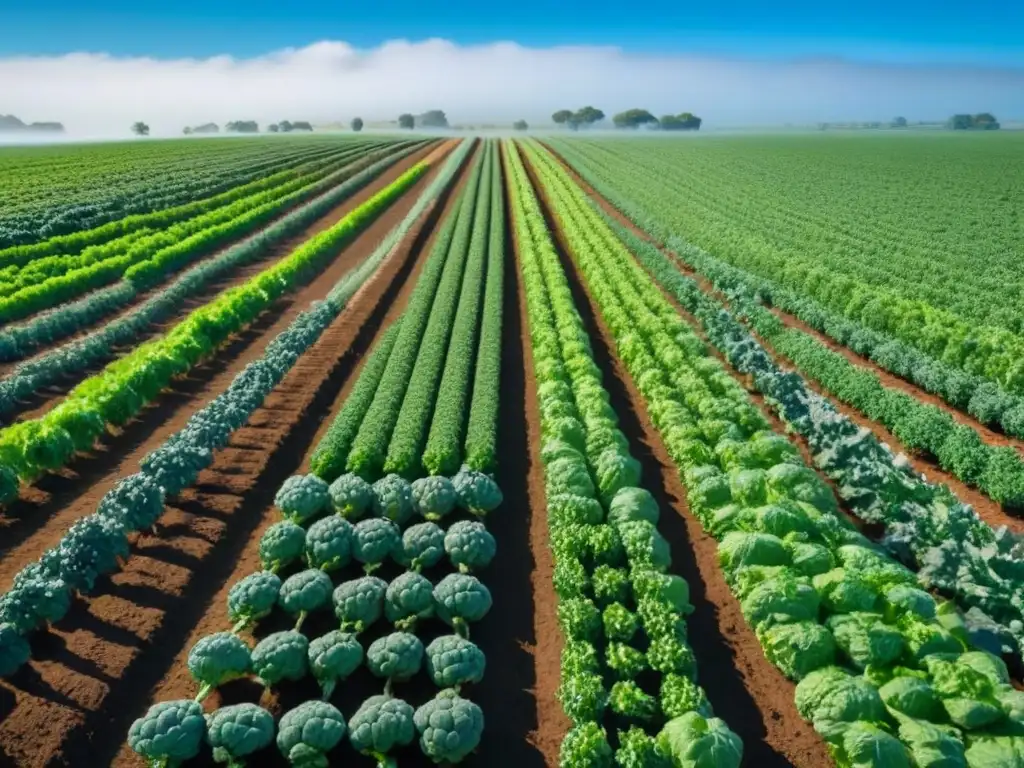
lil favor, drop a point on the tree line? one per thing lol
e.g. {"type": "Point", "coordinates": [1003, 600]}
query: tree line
{"type": "Point", "coordinates": [631, 118]}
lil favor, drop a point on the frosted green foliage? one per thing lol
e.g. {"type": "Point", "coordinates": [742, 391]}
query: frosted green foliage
{"type": "Point", "coordinates": [333, 657]}
{"type": "Point", "coordinates": [392, 499]}
{"type": "Point", "coordinates": [305, 591]}
{"type": "Point", "coordinates": [359, 603]}
{"type": "Point", "coordinates": [476, 492]}
{"type": "Point", "coordinates": [397, 656]}
{"type": "Point", "coordinates": [422, 546]}
{"type": "Point", "coordinates": [381, 724]}
{"type": "Point", "coordinates": [14, 650]}
{"type": "Point", "coordinates": [329, 543]}
{"type": "Point", "coordinates": [351, 496]}
{"type": "Point", "coordinates": [254, 596]}
{"type": "Point", "coordinates": [433, 497]}
{"type": "Point", "coordinates": [450, 727]}
{"type": "Point", "coordinates": [469, 545]}
{"type": "Point", "coordinates": [301, 497]}
{"type": "Point", "coordinates": [461, 599]}
{"type": "Point", "coordinates": [307, 733]}
{"type": "Point", "coordinates": [169, 733]}
{"type": "Point", "coordinates": [237, 731]}
{"type": "Point", "coordinates": [216, 659]}
{"type": "Point", "coordinates": [282, 544]}
{"type": "Point", "coordinates": [374, 541]}
{"type": "Point", "coordinates": [453, 661]}
{"type": "Point", "coordinates": [630, 504]}
{"type": "Point", "coordinates": [409, 597]}
{"type": "Point", "coordinates": [280, 656]}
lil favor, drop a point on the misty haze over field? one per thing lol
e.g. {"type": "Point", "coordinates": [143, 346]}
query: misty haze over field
{"type": "Point", "coordinates": [94, 94]}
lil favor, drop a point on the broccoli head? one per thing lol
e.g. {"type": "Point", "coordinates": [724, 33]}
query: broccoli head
{"type": "Point", "coordinates": [169, 733]}
{"type": "Point", "coordinates": [453, 661]}
{"type": "Point", "coordinates": [14, 650]}
{"type": "Point", "coordinates": [253, 597]}
{"type": "Point", "coordinates": [469, 545]}
{"type": "Point", "coordinates": [381, 724]}
{"type": "Point", "coordinates": [307, 733]}
{"type": "Point", "coordinates": [422, 546]}
{"type": "Point", "coordinates": [280, 656]}
{"type": "Point", "coordinates": [302, 497]}
{"type": "Point", "coordinates": [359, 603]}
{"type": "Point", "coordinates": [35, 598]}
{"type": "Point", "coordinates": [282, 544]}
{"type": "Point", "coordinates": [237, 731]}
{"type": "Point", "coordinates": [433, 497]}
{"type": "Point", "coordinates": [476, 492]}
{"type": "Point", "coordinates": [450, 727]}
{"type": "Point", "coordinates": [460, 599]}
{"type": "Point", "coordinates": [409, 597]}
{"type": "Point", "coordinates": [397, 656]}
{"type": "Point", "coordinates": [305, 591]}
{"type": "Point", "coordinates": [329, 543]}
{"type": "Point", "coordinates": [351, 496]}
{"type": "Point", "coordinates": [373, 541]}
{"type": "Point", "coordinates": [392, 499]}
{"type": "Point", "coordinates": [333, 657]}
{"type": "Point", "coordinates": [216, 659]}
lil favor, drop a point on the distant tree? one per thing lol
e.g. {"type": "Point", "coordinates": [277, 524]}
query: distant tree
{"type": "Point", "coordinates": [242, 126]}
{"type": "Point", "coordinates": [187, 131]}
{"type": "Point", "coordinates": [434, 118]}
{"type": "Point", "coordinates": [207, 128]}
{"type": "Point", "coordinates": [685, 121]}
{"type": "Point", "coordinates": [588, 116]}
{"type": "Point", "coordinates": [406, 121]}
{"type": "Point", "coordinates": [960, 122]}
{"type": "Point", "coordinates": [984, 121]}
{"type": "Point", "coordinates": [302, 125]}
{"type": "Point", "coordinates": [285, 126]}
{"type": "Point", "coordinates": [140, 129]}
{"type": "Point", "coordinates": [272, 128]}
{"type": "Point", "coordinates": [899, 122]}
{"type": "Point", "coordinates": [562, 116]}
{"type": "Point", "coordinates": [520, 125]}
{"type": "Point", "coordinates": [357, 124]}
{"type": "Point", "coordinates": [633, 118]}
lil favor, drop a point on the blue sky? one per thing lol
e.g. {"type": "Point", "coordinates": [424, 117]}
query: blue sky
{"type": "Point", "coordinates": [983, 32]}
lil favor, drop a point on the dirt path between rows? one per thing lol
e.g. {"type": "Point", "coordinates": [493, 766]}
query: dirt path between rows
{"type": "Point", "coordinates": [93, 672]}
{"type": "Point", "coordinates": [46, 398]}
{"type": "Point", "coordinates": [988, 510]}
{"type": "Point", "coordinates": [746, 691]}
{"type": "Point", "coordinates": [47, 508]}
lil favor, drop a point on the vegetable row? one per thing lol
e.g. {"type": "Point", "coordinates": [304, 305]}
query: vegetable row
{"type": "Point", "coordinates": [880, 676]}
{"type": "Point", "coordinates": [41, 592]}
{"type": "Point", "coordinates": [626, 662]}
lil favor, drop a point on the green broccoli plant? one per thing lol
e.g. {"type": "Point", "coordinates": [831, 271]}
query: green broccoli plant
{"type": "Point", "coordinates": [680, 694]}
{"type": "Point", "coordinates": [586, 746]}
{"type": "Point", "coordinates": [307, 733]}
{"type": "Point", "coordinates": [282, 544]}
{"type": "Point", "coordinates": [35, 598]}
{"type": "Point", "coordinates": [410, 597]}
{"type": "Point", "coordinates": [304, 592]}
{"type": "Point", "coordinates": [302, 497]}
{"type": "Point", "coordinates": [333, 657]}
{"type": "Point", "coordinates": [422, 547]}
{"type": "Point", "coordinates": [631, 702]}
{"type": "Point", "coordinates": [216, 659]}
{"type": "Point", "coordinates": [638, 750]}
{"type": "Point", "coordinates": [373, 541]}
{"type": "Point", "coordinates": [626, 661]}
{"type": "Point", "coordinates": [469, 545]}
{"type": "Point", "coordinates": [580, 620]}
{"type": "Point", "coordinates": [433, 497]}
{"type": "Point", "coordinates": [582, 695]}
{"type": "Point", "coordinates": [252, 598]}
{"type": "Point", "coordinates": [237, 731]}
{"type": "Point", "coordinates": [381, 724]}
{"type": "Point", "coordinates": [461, 600]}
{"type": "Point", "coordinates": [329, 543]}
{"type": "Point", "coordinates": [359, 603]}
{"type": "Point", "coordinates": [395, 657]}
{"type": "Point", "coordinates": [392, 499]}
{"type": "Point", "coordinates": [14, 650]}
{"type": "Point", "coordinates": [619, 623]}
{"type": "Point", "coordinates": [611, 585]}
{"type": "Point", "coordinates": [280, 656]}
{"type": "Point", "coordinates": [453, 661]}
{"type": "Point", "coordinates": [450, 727]}
{"type": "Point", "coordinates": [351, 496]}
{"type": "Point", "coordinates": [169, 733]}
{"type": "Point", "coordinates": [476, 492]}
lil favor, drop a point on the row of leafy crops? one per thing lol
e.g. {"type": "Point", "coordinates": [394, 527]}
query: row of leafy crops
{"type": "Point", "coordinates": [374, 587]}
{"type": "Point", "coordinates": [880, 677]}
{"type": "Point", "coordinates": [145, 260]}
{"type": "Point", "coordinates": [54, 191]}
{"type": "Point", "coordinates": [926, 526]}
{"type": "Point", "coordinates": [997, 470]}
{"type": "Point", "coordinates": [79, 354]}
{"type": "Point", "coordinates": [93, 546]}
{"type": "Point", "coordinates": [916, 280]}
{"type": "Point", "coordinates": [125, 386]}
{"type": "Point", "coordinates": [626, 662]}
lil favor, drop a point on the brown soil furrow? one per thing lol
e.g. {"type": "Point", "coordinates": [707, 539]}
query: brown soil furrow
{"type": "Point", "coordinates": [751, 695]}
{"type": "Point", "coordinates": [94, 672]}
{"type": "Point", "coordinates": [46, 509]}
{"type": "Point", "coordinates": [988, 510]}
{"type": "Point", "coordinates": [43, 400]}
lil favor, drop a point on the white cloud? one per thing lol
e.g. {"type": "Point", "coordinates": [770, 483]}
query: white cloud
{"type": "Point", "coordinates": [96, 94]}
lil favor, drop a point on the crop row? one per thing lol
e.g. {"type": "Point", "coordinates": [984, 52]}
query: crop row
{"type": "Point", "coordinates": [880, 677]}
{"type": "Point", "coordinates": [95, 191]}
{"type": "Point", "coordinates": [146, 260]}
{"type": "Point", "coordinates": [93, 546]}
{"type": "Point", "coordinates": [926, 526]}
{"type": "Point", "coordinates": [125, 386]}
{"type": "Point", "coordinates": [626, 661]}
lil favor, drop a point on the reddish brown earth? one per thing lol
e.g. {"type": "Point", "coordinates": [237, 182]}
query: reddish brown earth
{"type": "Point", "coordinates": [750, 694]}
{"type": "Point", "coordinates": [988, 510]}
{"type": "Point", "coordinates": [95, 670]}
